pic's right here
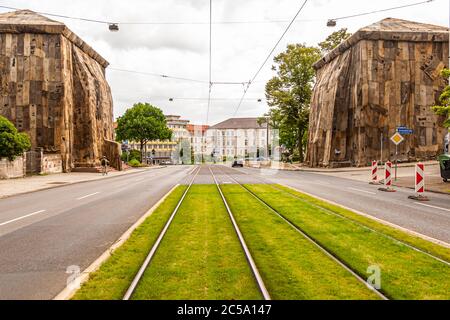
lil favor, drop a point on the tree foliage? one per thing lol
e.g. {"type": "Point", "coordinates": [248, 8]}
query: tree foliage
{"type": "Point", "coordinates": [333, 40]}
{"type": "Point", "coordinates": [444, 108]}
{"type": "Point", "coordinates": [133, 155]}
{"type": "Point", "coordinates": [12, 143]}
{"type": "Point", "coordinates": [143, 123]}
{"type": "Point", "coordinates": [289, 95]}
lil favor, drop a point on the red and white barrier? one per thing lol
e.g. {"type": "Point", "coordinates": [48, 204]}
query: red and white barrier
{"type": "Point", "coordinates": [420, 178]}
{"type": "Point", "coordinates": [374, 171]}
{"type": "Point", "coordinates": [388, 178]}
{"type": "Point", "coordinates": [420, 183]}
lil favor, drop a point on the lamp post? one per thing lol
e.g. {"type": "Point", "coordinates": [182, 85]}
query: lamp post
{"type": "Point", "coordinates": [331, 23]}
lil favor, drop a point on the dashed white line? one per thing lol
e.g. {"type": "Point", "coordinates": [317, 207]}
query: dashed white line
{"type": "Point", "coordinates": [21, 218]}
{"type": "Point", "coordinates": [363, 191]}
{"type": "Point", "coordinates": [430, 206]}
{"type": "Point", "coordinates": [89, 195]}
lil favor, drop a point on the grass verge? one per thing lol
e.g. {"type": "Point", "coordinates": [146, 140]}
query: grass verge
{"type": "Point", "coordinates": [200, 257]}
{"type": "Point", "coordinates": [111, 281]}
{"type": "Point", "coordinates": [292, 267]}
{"type": "Point", "coordinates": [422, 244]}
{"type": "Point", "coordinates": [406, 273]}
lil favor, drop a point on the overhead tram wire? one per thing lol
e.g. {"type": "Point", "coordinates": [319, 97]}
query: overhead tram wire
{"type": "Point", "coordinates": [383, 10]}
{"type": "Point", "coordinates": [214, 23]}
{"type": "Point", "coordinates": [210, 62]}
{"type": "Point", "coordinates": [335, 19]}
{"type": "Point", "coordinates": [268, 57]}
{"type": "Point", "coordinates": [158, 75]}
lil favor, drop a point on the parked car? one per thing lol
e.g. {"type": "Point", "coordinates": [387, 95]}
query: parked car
{"type": "Point", "coordinates": [238, 164]}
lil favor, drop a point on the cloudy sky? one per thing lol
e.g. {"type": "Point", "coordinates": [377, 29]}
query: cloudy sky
{"type": "Point", "coordinates": [182, 50]}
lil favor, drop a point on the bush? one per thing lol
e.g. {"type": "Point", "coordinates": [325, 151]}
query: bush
{"type": "Point", "coordinates": [134, 155]}
{"type": "Point", "coordinates": [134, 163]}
{"type": "Point", "coordinates": [12, 143]}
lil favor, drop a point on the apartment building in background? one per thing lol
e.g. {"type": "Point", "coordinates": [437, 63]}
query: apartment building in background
{"type": "Point", "coordinates": [166, 152]}
{"type": "Point", "coordinates": [238, 138]}
{"type": "Point", "coordinates": [198, 141]}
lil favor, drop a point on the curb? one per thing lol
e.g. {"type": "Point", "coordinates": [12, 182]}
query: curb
{"type": "Point", "coordinates": [77, 182]}
{"type": "Point", "coordinates": [67, 293]}
{"type": "Point", "coordinates": [410, 232]}
{"type": "Point", "coordinates": [427, 191]}
{"type": "Point", "coordinates": [340, 171]}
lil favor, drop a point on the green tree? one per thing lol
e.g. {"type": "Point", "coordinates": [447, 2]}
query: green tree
{"type": "Point", "coordinates": [444, 100]}
{"type": "Point", "coordinates": [12, 143]}
{"type": "Point", "coordinates": [289, 94]}
{"type": "Point", "coordinates": [133, 155]}
{"type": "Point", "coordinates": [143, 123]}
{"type": "Point", "coordinates": [333, 40]}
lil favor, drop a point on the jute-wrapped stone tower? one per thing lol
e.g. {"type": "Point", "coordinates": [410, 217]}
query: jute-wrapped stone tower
{"type": "Point", "coordinates": [385, 76]}
{"type": "Point", "coordinates": [53, 86]}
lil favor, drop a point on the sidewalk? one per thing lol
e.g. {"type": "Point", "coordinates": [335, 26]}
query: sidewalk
{"type": "Point", "coordinates": [14, 187]}
{"type": "Point", "coordinates": [405, 176]}
{"type": "Point", "coordinates": [298, 167]}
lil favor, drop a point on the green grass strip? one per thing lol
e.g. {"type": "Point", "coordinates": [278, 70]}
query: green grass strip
{"type": "Point", "coordinates": [422, 244]}
{"type": "Point", "coordinates": [291, 266]}
{"type": "Point", "coordinates": [200, 257]}
{"type": "Point", "coordinates": [406, 273]}
{"type": "Point", "coordinates": [113, 278]}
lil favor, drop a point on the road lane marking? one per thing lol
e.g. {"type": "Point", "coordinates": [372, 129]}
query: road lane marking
{"type": "Point", "coordinates": [89, 195]}
{"type": "Point", "coordinates": [364, 191]}
{"type": "Point", "coordinates": [434, 207]}
{"type": "Point", "coordinates": [21, 218]}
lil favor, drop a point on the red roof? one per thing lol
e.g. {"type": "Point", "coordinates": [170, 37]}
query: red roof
{"type": "Point", "coordinates": [192, 128]}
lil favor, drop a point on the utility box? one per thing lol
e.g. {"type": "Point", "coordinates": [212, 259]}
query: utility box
{"type": "Point", "coordinates": [444, 160]}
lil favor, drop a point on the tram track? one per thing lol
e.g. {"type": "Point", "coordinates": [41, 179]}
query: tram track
{"type": "Point", "coordinates": [310, 239]}
{"type": "Point", "coordinates": [146, 264]}
{"type": "Point", "coordinates": [155, 247]}
{"type": "Point", "coordinates": [330, 212]}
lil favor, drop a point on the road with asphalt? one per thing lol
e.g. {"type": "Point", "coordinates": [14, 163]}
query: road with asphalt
{"type": "Point", "coordinates": [431, 219]}
{"type": "Point", "coordinates": [44, 233]}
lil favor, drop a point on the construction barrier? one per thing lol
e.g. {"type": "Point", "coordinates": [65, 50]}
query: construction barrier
{"type": "Point", "coordinates": [420, 178]}
{"type": "Point", "coordinates": [374, 177]}
{"type": "Point", "coordinates": [388, 178]}
{"type": "Point", "coordinates": [420, 183]}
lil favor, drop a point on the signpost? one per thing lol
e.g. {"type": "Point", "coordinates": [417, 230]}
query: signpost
{"type": "Point", "coordinates": [397, 139]}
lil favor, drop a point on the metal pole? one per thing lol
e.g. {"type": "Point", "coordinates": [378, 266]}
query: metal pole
{"type": "Point", "coordinates": [396, 161]}
{"type": "Point", "coordinates": [381, 160]}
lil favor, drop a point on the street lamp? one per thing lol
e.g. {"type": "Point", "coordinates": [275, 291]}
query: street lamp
{"type": "Point", "coordinates": [331, 23]}
{"type": "Point", "coordinates": [113, 27]}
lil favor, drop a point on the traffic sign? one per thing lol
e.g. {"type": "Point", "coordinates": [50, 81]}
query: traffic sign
{"type": "Point", "coordinates": [405, 131]}
{"type": "Point", "coordinates": [397, 139]}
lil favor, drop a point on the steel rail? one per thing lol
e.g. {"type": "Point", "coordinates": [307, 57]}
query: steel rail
{"type": "Point", "coordinates": [155, 247]}
{"type": "Point", "coordinates": [330, 212]}
{"type": "Point", "coordinates": [314, 242]}
{"type": "Point", "coordinates": [256, 274]}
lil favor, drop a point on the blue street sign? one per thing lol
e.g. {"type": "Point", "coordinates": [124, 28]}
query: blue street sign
{"type": "Point", "coordinates": [405, 131]}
